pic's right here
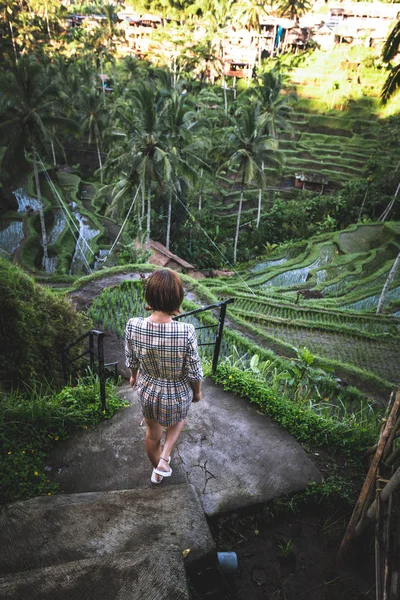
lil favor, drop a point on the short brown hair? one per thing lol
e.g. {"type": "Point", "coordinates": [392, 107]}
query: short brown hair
{"type": "Point", "coordinates": [164, 291]}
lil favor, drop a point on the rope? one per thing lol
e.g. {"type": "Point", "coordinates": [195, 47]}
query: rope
{"type": "Point", "coordinates": [212, 242]}
{"type": "Point", "coordinates": [67, 214]}
{"type": "Point", "coordinates": [63, 206]}
{"type": "Point", "coordinates": [124, 223]}
{"type": "Point", "coordinates": [55, 192]}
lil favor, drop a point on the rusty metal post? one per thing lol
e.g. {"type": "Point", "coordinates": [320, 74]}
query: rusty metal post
{"type": "Point", "coordinates": [64, 367]}
{"type": "Point", "coordinates": [218, 341]}
{"type": "Point", "coordinates": [116, 373]}
{"type": "Point", "coordinates": [100, 358]}
{"type": "Point", "coordinates": [91, 352]}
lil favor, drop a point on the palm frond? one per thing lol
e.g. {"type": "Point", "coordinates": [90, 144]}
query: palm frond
{"type": "Point", "coordinates": [391, 85]}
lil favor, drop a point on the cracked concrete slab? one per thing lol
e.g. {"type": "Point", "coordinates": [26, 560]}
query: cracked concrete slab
{"type": "Point", "coordinates": [129, 576]}
{"type": "Point", "coordinates": [234, 455]}
{"type": "Point", "coordinates": [47, 531]}
{"type": "Point", "coordinates": [110, 456]}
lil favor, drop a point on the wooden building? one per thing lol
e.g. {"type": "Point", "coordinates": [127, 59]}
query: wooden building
{"type": "Point", "coordinates": [311, 181]}
{"type": "Point", "coordinates": [162, 257]}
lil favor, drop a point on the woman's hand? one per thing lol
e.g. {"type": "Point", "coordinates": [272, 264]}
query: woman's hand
{"type": "Point", "coordinates": [132, 381]}
{"type": "Point", "coordinates": [197, 397]}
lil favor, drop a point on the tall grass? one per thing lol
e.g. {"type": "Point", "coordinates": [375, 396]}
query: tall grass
{"type": "Point", "coordinates": [32, 421]}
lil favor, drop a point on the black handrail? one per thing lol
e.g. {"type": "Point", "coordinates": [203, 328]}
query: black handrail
{"type": "Point", "coordinates": [221, 320]}
{"type": "Point", "coordinates": [93, 358]}
{"type": "Point", "coordinates": [97, 355]}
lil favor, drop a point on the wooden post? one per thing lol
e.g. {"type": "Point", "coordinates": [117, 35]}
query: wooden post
{"type": "Point", "coordinates": [100, 358]}
{"type": "Point", "coordinates": [390, 487]}
{"type": "Point", "coordinates": [370, 479]}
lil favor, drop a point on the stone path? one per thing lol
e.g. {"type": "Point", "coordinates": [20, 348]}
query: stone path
{"type": "Point", "coordinates": [230, 456]}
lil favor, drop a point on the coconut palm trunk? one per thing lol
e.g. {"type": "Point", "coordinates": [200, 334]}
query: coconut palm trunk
{"type": "Point", "coordinates": [12, 38]}
{"type": "Point", "coordinates": [167, 242]}
{"type": "Point", "coordinates": [225, 95]}
{"type": "Point", "coordinates": [388, 282]}
{"type": "Point", "coordinates": [148, 218]}
{"type": "Point", "coordinates": [389, 207]}
{"type": "Point", "coordinates": [259, 200]}
{"type": "Point", "coordinates": [53, 152]}
{"type": "Point", "coordinates": [201, 190]}
{"type": "Point", "coordinates": [47, 23]}
{"type": "Point", "coordinates": [41, 213]}
{"type": "Point", "coordinates": [100, 161]}
{"type": "Point", "coordinates": [238, 221]}
{"type": "Point", "coordinates": [141, 210]}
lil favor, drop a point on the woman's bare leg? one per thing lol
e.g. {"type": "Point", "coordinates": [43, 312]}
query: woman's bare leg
{"type": "Point", "coordinates": [171, 437]}
{"type": "Point", "coordinates": [154, 433]}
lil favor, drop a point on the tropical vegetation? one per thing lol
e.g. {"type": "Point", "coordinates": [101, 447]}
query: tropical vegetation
{"type": "Point", "coordinates": [105, 149]}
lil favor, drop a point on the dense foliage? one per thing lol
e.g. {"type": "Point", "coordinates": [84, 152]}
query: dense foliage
{"type": "Point", "coordinates": [32, 423]}
{"type": "Point", "coordinates": [35, 325]}
{"type": "Point", "coordinates": [174, 129]}
{"type": "Point", "coordinates": [305, 425]}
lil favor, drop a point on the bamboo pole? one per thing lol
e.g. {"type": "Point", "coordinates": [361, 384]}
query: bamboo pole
{"type": "Point", "coordinates": [389, 407]}
{"type": "Point", "coordinates": [389, 444]}
{"type": "Point", "coordinates": [386, 572]}
{"type": "Point", "coordinates": [395, 581]}
{"type": "Point", "coordinates": [378, 553]}
{"type": "Point", "coordinates": [370, 479]}
{"type": "Point", "coordinates": [393, 457]}
{"type": "Point", "coordinates": [391, 486]}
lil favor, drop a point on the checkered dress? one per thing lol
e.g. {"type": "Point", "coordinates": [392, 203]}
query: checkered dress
{"type": "Point", "coordinates": [167, 356]}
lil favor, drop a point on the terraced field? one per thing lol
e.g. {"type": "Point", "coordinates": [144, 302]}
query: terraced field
{"type": "Point", "coordinates": [336, 146]}
{"type": "Point", "coordinates": [347, 270]}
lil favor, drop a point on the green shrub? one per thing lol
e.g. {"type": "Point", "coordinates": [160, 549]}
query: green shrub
{"type": "Point", "coordinates": [35, 325]}
{"type": "Point", "coordinates": [305, 425]}
{"type": "Point", "coordinates": [32, 423]}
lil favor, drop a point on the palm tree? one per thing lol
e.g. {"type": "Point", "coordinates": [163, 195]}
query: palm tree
{"type": "Point", "coordinates": [217, 13]}
{"type": "Point", "coordinates": [110, 29]}
{"type": "Point", "coordinates": [388, 282]}
{"type": "Point", "coordinates": [93, 115]}
{"type": "Point", "coordinates": [151, 160]}
{"type": "Point", "coordinates": [293, 9]}
{"type": "Point", "coordinates": [274, 104]}
{"type": "Point", "coordinates": [28, 114]}
{"type": "Point", "coordinates": [275, 112]}
{"type": "Point", "coordinates": [132, 68]}
{"type": "Point", "coordinates": [140, 155]}
{"type": "Point", "coordinates": [390, 49]}
{"type": "Point", "coordinates": [249, 15]}
{"type": "Point", "coordinates": [178, 120]}
{"type": "Point", "coordinates": [251, 145]}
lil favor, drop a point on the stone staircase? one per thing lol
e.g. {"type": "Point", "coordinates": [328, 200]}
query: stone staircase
{"type": "Point", "coordinates": [119, 544]}
{"type": "Point", "coordinates": [113, 534]}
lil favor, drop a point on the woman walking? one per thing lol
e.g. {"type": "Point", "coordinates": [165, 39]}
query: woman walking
{"type": "Point", "coordinates": [165, 366]}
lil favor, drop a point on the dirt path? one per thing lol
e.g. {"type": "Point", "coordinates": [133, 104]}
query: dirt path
{"type": "Point", "coordinates": [83, 297]}
{"type": "Point", "coordinates": [18, 249]}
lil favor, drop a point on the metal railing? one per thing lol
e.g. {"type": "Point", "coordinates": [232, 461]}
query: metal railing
{"type": "Point", "coordinates": [220, 325]}
{"type": "Point", "coordinates": [92, 358]}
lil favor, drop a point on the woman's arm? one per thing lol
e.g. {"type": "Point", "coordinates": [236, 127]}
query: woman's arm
{"type": "Point", "coordinates": [132, 360]}
{"type": "Point", "coordinates": [134, 374]}
{"type": "Point", "coordinates": [196, 386]}
{"type": "Point", "coordinates": [193, 363]}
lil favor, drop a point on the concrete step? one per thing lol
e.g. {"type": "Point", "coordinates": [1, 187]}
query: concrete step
{"type": "Point", "coordinates": [50, 531]}
{"type": "Point", "coordinates": [129, 576]}
{"type": "Point", "coordinates": [233, 454]}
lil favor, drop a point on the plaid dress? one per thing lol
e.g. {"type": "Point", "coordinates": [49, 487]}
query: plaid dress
{"type": "Point", "coordinates": [167, 356]}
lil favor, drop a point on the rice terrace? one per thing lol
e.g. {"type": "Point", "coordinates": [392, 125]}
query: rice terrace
{"type": "Point", "coordinates": [254, 149]}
